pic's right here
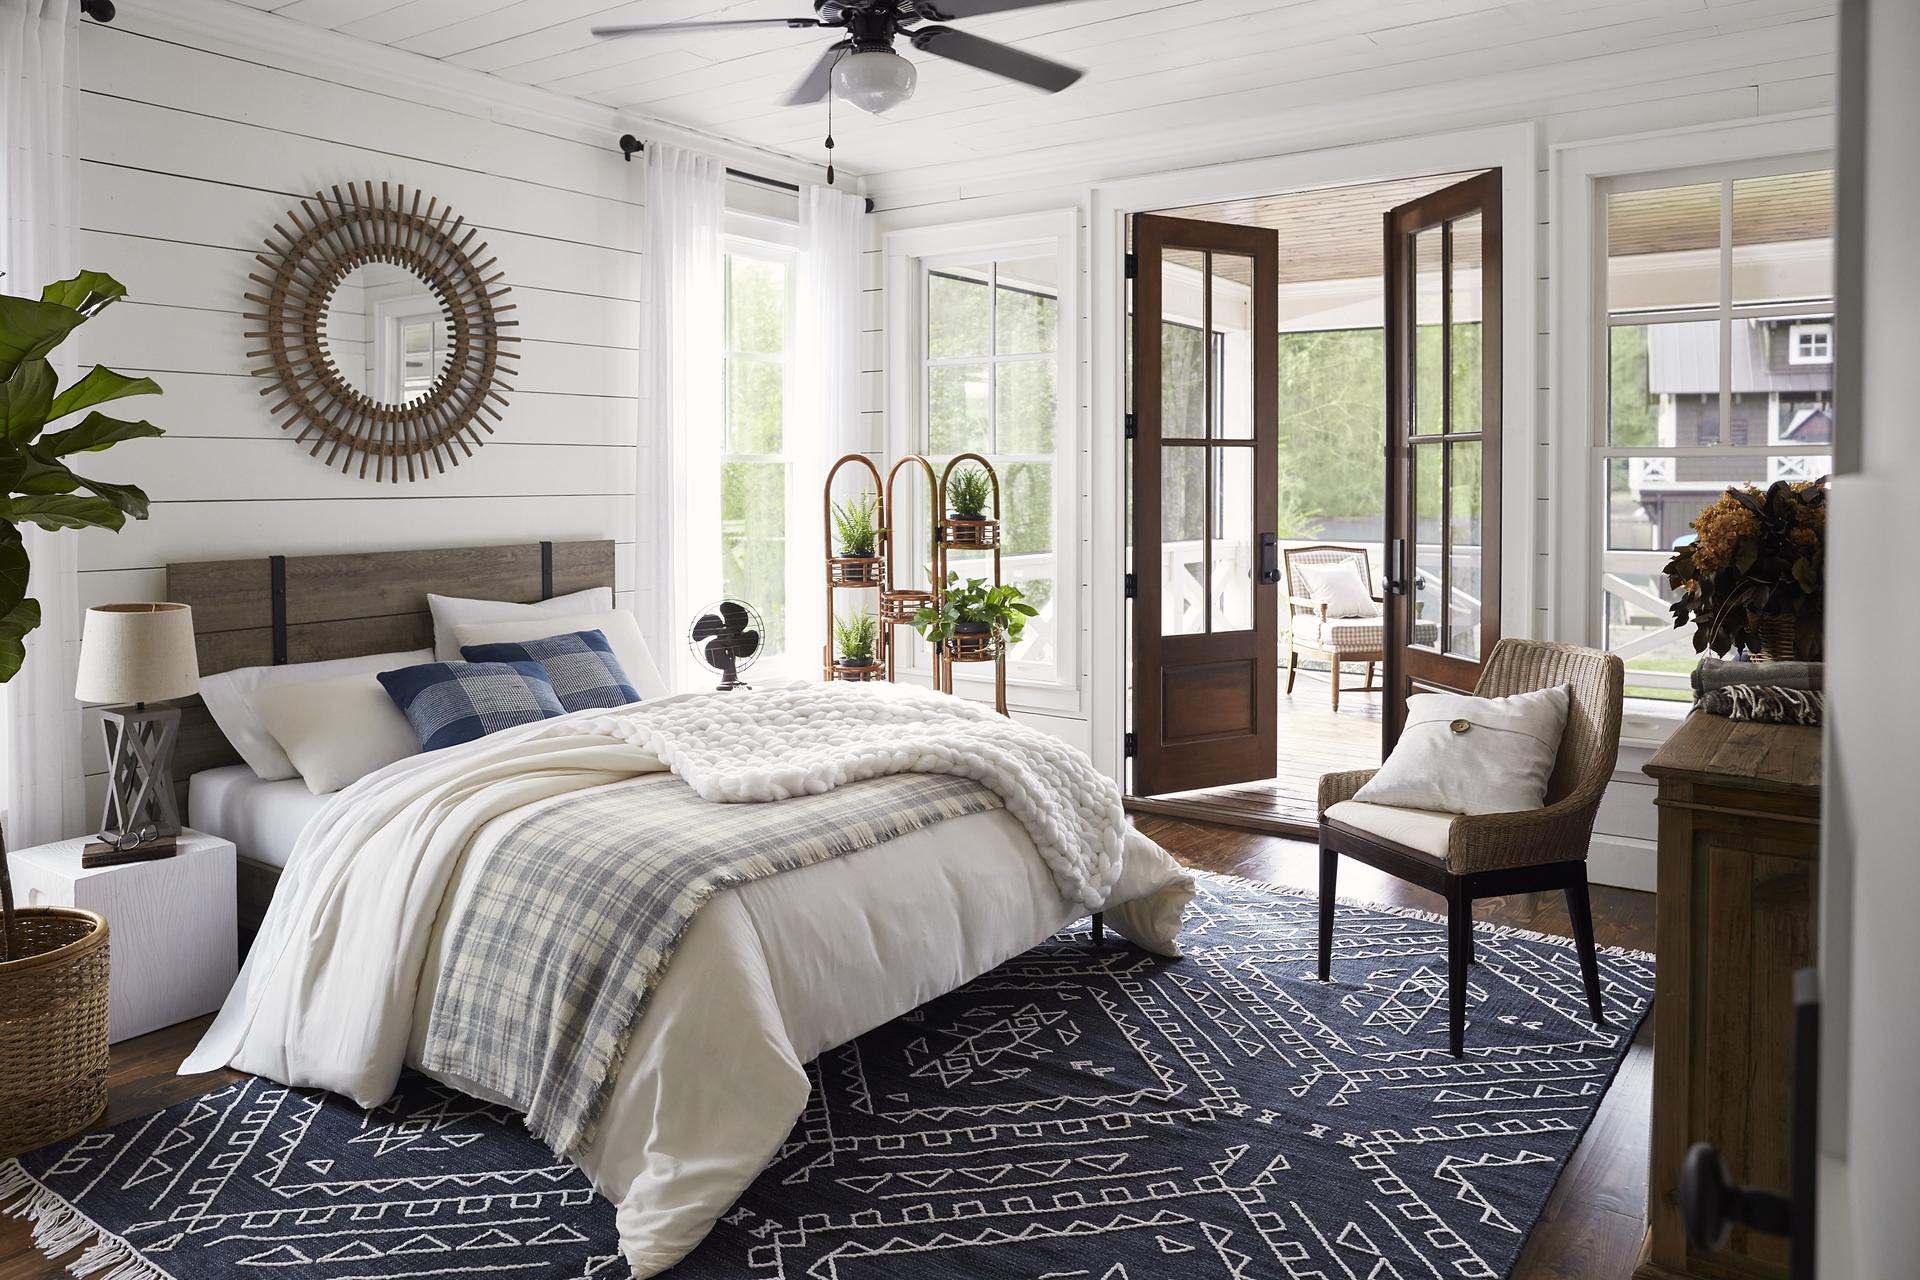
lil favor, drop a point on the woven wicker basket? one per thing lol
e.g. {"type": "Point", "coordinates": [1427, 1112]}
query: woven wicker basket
{"type": "Point", "coordinates": [53, 1029]}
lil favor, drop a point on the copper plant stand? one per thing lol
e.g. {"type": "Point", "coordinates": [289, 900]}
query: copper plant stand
{"type": "Point", "coordinates": [856, 573]}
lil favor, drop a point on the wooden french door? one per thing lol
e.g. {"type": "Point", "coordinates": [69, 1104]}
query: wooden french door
{"type": "Point", "coordinates": [1443, 441]}
{"type": "Point", "coordinates": [1206, 615]}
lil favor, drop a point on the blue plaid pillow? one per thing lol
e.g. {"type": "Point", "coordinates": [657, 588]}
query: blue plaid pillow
{"type": "Point", "coordinates": [448, 703]}
{"type": "Point", "coordinates": [580, 664]}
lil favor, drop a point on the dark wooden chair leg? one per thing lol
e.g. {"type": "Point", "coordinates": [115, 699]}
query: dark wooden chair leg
{"type": "Point", "coordinates": [1329, 876]}
{"type": "Point", "coordinates": [1580, 908]}
{"type": "Point", "coordinates": [1293, 666]}
{"type": "Point", "coordinates": [1459, 944]}
{"type": "Point", "coordinates": [1099, 929]}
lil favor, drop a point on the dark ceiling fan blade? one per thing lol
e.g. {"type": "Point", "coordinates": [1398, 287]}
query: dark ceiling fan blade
{"type": "Point", "coordinates": [948, 10]}
{"type": "Point", "coordinates": [814, 85]}
{"type": "Point", "coordinates": [992, 56]}
{"type": "Point", "coordinates": [652, 28]}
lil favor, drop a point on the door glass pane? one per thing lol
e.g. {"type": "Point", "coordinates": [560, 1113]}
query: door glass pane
{"type": "Point", "coordinates": [959, 321]}
{"type": "Point", "coordinates": [1464, 542]}
{"type": "Point", "coordinates": [1183, 352]}
{"type": "Point", "coordinates": [1464, 286]}
{"type": "Point", "coordinates": [1026, 298]}
{"type": "Point", "coordinates": [1428, 567]}
{"type": "Point", "coordinates": [1183, 540]}
{"type": "Point", "coordinates": [1024, 400]}
{"type": "Point", "coordinates": [1232, 346]}
{"type": "Point", "coordinates": [1429, 381]}
{"type": "Point", "coordinates": [1663, 248]}
{"type": "Point", "coordinates": [1783, 238]}
{"type": "Point", "coordinates": [1232, 542]}
{"type": "Point", "coordinates": [957, 409]}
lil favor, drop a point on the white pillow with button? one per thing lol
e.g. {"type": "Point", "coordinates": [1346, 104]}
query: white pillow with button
{"type": "Point", "coordinates": [1340, 586]}
{"type": "Point", "coordinates": [1462, 754]}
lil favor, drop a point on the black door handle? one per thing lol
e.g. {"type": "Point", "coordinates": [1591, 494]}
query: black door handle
{"type": "Point", "coordinates": [1397, 567]}
{"type": "Point", "coordinates": [1269, 559]}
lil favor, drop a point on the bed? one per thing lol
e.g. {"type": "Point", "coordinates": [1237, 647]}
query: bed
{"type": "Point", "coordinates": [357, 953]}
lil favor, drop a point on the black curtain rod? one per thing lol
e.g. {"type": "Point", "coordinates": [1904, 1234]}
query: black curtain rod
{"type": "Point", "coordinates": [630, 144]}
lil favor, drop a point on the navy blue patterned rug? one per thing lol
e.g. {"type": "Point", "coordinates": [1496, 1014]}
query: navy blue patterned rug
{"type": "Point", "coordinates": [1076, 1112]}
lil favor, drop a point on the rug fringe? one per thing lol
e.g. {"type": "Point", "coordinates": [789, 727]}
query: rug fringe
{"type": "Point", "coordinates": [1414, 913]}
{"type": "Point", "coordinates": [59, 1228]}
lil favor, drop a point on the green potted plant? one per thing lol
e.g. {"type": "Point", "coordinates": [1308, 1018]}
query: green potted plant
{"type": "Point", "coordinates": [968, 492]}
{"type": "Point", "coordinates": [53, 961]}
{"type": "Point", "coordinates": [1752, 575]}
{"type": "Point", "coordinates": [973, 617]}
{"type": "Point", "coordinates": [857, 533]}
{"type": "Point", "coordinates": [854, 640]}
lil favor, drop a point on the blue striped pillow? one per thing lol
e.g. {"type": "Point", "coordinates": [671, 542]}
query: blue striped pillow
{"type": "Point", "coordinates": [580, 664]}
{"type": "Point", "coordinates": [448, 703]}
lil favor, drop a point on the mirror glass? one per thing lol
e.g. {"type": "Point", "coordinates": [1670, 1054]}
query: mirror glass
{"type": "Point", "coordinates": [387, 333]}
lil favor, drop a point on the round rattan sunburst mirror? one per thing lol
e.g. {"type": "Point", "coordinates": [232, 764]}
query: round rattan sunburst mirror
{"type": "Point", "coordinates": [383, 325]}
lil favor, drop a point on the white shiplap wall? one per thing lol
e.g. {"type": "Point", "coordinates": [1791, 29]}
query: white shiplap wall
{"type": "Point", "coordinates": [188, 158]}
{"type": "Point", "coordinates": [1744, 75]}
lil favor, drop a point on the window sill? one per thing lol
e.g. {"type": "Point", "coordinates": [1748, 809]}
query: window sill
{"type": "Point", "coordinates": [1649, 722]}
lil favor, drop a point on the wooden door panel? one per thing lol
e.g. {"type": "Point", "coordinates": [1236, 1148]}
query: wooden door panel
{"type": "Point", "coordinates": [1206, 624]}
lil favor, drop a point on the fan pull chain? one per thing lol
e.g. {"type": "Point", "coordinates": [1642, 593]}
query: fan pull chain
{"type": "Point", "coordinates": [829, 137]}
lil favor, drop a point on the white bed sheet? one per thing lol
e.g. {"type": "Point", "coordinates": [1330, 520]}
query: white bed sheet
{"type": "Point", "coordinates": [263, 819]}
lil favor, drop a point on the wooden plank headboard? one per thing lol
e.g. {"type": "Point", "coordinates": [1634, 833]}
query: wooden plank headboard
{"type": "Point", "coordinates": [346, 606]}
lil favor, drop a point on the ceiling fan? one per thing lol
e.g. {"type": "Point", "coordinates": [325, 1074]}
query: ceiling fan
{"type": "Point", "coordinates": [864, 70]}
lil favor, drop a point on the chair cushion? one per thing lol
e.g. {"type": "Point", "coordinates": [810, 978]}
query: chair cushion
{"type": "Point", "coordinates": [1419, 829]}
{"type": "Point", "coordinates": [1461, 754]}
{"type": "Point", "coordinates": [1342, 587]}
{"type": "Point", "coordinates": [1358, 635]}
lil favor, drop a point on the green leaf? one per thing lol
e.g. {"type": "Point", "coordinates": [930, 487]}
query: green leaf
{"type": "Point", "coordinates": [100, 385]}
{"type": "Point", "coordinates": [38, 474]}
{"type": "Point", "coordinates": [64, 511]}
{"type": "Point", "coordinates": [86, 293]}
{"type": "Point", "coordinates": [97, 431]}
{"type": "Point", "coordinates": [19, 620]}
{"type": "Point", "coordinates": [130, 499]}
{"type": "Point", "coordinates": [25, 400]}
{"type": "Point", "coordinates": [29, 330]}
{"type": "Point", "coordinates": [13, 569]}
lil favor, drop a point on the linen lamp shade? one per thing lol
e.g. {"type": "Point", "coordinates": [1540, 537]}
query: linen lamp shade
{"type": "Point", "coordinates": [137, 653]}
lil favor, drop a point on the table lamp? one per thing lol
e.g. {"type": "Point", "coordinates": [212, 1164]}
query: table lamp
{"type": "Point", "coordinates": [132, 655]}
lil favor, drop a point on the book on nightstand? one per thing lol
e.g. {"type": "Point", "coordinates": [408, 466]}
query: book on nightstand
{"type": "Point", "coordinates": [101, 853]}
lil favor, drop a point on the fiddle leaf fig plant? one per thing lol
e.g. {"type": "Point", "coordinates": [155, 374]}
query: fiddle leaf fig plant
{"type": "Point", "coordinates": [37, 484]}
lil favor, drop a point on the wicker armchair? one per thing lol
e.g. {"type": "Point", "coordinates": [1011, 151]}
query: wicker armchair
{"type": "Point", "coordinates": [1486, 855]}
{"type": "Point", "coordinates": [1336, 640]}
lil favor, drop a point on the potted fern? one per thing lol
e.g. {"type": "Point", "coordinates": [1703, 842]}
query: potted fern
{"type": "Point", "coordinates": [854, 642]}
{"type": "Point", "coordinates": [974, 619]}
{"type": "Point", "coordinates": [969, 491]}
{"type": "Point", "coordinates": [856, 529]}
{"type": "Point", "coordinates": [53, 960]}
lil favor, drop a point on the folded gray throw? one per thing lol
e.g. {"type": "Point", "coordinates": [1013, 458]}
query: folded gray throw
{"type": "Point", "coordinates": [1718, 673]}
{"type": "Point", "coordinates": [1766, 704]}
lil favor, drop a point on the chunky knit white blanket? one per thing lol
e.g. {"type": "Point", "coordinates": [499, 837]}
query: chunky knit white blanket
{"type": "Point", "coordinates": [754, 746]}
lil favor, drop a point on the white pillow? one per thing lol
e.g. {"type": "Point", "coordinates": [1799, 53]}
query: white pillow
{"type": "Point", "coordinates": [336, 732]}
{"type": "Point", "coordinates": [1461, 754]}
{"type": "Point", "coordinates": [454, 611]}
{"type": "Point", "coordinates": [617, 625]}
{"type": "Point", "coordinates": [1341, 586]}
{"type": "Point", "coordinates": [228, 696]}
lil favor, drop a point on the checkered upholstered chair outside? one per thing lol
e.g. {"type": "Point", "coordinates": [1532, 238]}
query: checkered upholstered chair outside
{"type": "Point", "coordinates": [1336, 640]}
{"type": "Point", "coordinates": [1464, 857]}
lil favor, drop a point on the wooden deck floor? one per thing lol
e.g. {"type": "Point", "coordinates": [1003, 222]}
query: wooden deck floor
{"type": "Point", "coordinates": [1314, 739]}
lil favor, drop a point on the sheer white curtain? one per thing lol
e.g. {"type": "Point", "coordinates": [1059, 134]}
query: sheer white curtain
{"type": "Point", "coordinates": [685, 252]}
{"type": "Point", "coordinates": [39, 174]}
{"type": "Point", "coordinates": [826, 413]}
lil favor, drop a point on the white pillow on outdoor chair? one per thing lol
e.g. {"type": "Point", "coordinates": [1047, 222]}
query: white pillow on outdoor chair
{"type": "Point", "coordinates": [1340, 586]}
{"type": "Point", "coordinates": [1462, 754]}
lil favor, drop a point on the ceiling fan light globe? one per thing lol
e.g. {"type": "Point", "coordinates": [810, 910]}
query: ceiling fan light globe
{"type": "Point", "coordinates": [874, 80]}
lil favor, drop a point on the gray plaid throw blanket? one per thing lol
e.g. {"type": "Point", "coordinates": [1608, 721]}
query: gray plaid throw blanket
{"type": "Point", "coordinates": [576, 914]}
{"type": "Point", "coordinates": [1765, 703]}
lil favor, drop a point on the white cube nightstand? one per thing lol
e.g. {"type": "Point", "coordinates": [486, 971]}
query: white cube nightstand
{"type": "Point", "coordinates": [170, 924]}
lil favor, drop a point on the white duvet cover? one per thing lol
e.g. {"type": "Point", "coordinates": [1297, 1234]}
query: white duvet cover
{"type": "Point", "coordinates": [337, 989]}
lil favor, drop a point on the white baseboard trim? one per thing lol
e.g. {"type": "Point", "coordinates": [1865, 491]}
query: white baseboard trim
{"type": "Point", "coordinates": [1623, 861]}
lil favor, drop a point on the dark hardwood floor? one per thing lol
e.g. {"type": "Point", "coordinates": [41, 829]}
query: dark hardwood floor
{"type": "Point", "coordinates": [1592, 1226]}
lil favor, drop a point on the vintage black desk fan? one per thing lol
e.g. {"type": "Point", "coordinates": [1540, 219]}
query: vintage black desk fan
{"type": "Point", "coordinates": [727, 637]}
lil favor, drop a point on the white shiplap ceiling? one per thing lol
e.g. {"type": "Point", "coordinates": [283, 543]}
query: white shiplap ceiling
{"type": "Point", "coordinates": [1158, 71]}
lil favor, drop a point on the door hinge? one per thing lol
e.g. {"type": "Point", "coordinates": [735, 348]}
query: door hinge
{"type": "Point", "coordinates": [1133, 745]}
{"type": "Point", "coordinates": [1133, 426]}
{"type": "Point", "coordinates": [1132, 585]}
{"type": "Point", "coordinates": [1133, 266]}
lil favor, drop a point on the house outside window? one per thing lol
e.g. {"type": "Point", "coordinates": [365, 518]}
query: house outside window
{"type": "Point", "coordinates": [1717, 347]}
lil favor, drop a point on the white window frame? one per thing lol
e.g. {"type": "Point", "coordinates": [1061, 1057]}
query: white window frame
{"type": "Point", "coordinates": [1584, 174]}
{"type": "Point", "coordinates": [1821, 332]}
{"type": "Point", "coordinates": [910, 254]}
{"type": "Point", "coordinates": [773, 240]}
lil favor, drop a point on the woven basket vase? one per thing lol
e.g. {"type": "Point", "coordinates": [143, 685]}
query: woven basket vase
{"type": "Point", "coordinates": [53, 1029]}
